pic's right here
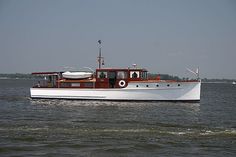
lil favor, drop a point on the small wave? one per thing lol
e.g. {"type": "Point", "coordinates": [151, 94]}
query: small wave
{"type": "Point", "coordinates": [127, 130]}
{"type": "Point", "coordinates": [160, 131]}
{"type": "Point", "coordinates": [188, 132]}
{"type": "Point", "coordinates": [219, 132]}
{"type": "Point", "coordinates": [176, 133]}
{"type": "Point", "coordinates": [25, 129]}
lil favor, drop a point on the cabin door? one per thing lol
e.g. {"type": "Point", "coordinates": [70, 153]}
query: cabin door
{"type": "Point", "coordinates": [112, 79]}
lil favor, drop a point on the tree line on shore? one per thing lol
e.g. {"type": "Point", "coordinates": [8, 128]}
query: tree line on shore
{"type": "Point", "coordinates": [150, 75]}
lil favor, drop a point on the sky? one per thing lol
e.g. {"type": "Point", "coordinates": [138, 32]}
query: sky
{"type": "Point", "coordinates": [163, 36]}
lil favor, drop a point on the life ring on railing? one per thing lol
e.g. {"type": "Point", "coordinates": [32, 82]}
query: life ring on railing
{"type": "Point", "coordinates": [122, 83]}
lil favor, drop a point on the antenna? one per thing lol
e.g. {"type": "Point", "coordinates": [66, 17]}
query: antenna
{"type": "Point", "coordinates": [100, 58]}
{"type": "Point", "coordinates": [89, 68]}
{"type": "Point", "coordinates": [196, 73]}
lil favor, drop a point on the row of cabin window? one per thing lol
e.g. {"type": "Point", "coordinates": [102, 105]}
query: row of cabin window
{"type": "Point", "coordinates": [168, 85]}
{"type": "Point", "coordinates": [123, 74]}
{"type": "Point", "coordinates": [85, 84]}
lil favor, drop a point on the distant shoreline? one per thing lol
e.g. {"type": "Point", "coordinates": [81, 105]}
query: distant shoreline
{"type": "Point", "coordinates": [223, 82]}
{"type": "Point", "coordinates": [17, 76]}
{"type": "Point", "coordinates": [163, 77]}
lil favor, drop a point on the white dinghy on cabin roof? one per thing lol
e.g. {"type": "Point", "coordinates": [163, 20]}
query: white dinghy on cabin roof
{"type": "Point", "coordinates": [76, 75]}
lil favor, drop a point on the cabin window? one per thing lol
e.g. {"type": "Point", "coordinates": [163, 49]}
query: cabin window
{"type": "Point", "coordinates": [102, 74]}
{"type": "Point", "coordinates": [75, 84]}
{"type": "Point", "coordinates": [168, 85]}
{"type": "Point", "coordinates": [65, 84]}
{"type": "Point", "coordinates": [144, 75]}
{"type": "Point", "coordinates": [178, 84]}
{"type": "Point", "coordinates": [134, 74]}
{"type": "Point", "coordinates": [157, 85]}
{"type": "Point", "coordinates": [111, 75]}
{"type": "Point", "coordinates": [49, 79]}
{"type": "Point", "coordinates": [121, 74]}
{"type": "Point", "coordinates": [88, 84]}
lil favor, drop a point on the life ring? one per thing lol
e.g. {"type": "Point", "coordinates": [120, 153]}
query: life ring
{"type": "Point", "coordinates": [122, 83]}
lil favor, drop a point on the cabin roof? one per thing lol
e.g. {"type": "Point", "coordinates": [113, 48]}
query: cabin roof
{"type": "Point", "coordinates": [121, 69]}
{"type": "Point", "coordinates": [102, 69]}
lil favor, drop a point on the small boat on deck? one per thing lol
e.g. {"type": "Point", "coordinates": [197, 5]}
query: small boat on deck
{"type": "Point", "coordinates": [122, 84]}
{"type": "Point", "coordinates": [76, 75]}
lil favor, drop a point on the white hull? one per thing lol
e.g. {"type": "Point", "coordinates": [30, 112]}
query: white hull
{"type": "Point", "coordinates": [185, 91]}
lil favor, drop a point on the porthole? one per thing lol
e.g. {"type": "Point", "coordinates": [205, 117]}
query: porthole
{"type": "Point", "coordinates": [146, 85]}
{"type": "Point", "coordinates": [157, 85]}
{"type": "Point", "coordinates": [136, 85]}
{"type": "Point", "coordinates": [168, 85]}
{"type": "Point", "coordinates": [178, 84]}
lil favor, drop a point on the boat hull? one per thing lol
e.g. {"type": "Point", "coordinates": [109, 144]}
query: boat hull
{"type": "Point", "coordinates": [175, 91]}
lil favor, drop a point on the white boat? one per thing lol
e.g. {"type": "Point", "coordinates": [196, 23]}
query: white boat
{"type": "Point", "coordinates": [114, 84]}
{"type": "Point", "coordinates": [233, 82]}
{"type": "Point", "coordinates": [135, 91]}
{"type": "Point", "coordinates": [76, 75]}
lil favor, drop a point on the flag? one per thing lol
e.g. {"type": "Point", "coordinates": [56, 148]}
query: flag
{"type": "Point", "coordinates": [197, 71]}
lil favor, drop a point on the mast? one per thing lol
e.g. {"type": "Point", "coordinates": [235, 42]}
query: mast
{"type": "Point", "coordinates": [100, 58]}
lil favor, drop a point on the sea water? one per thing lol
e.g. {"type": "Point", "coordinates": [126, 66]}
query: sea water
{"type": "Point", "coordinates": [105, 128]}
